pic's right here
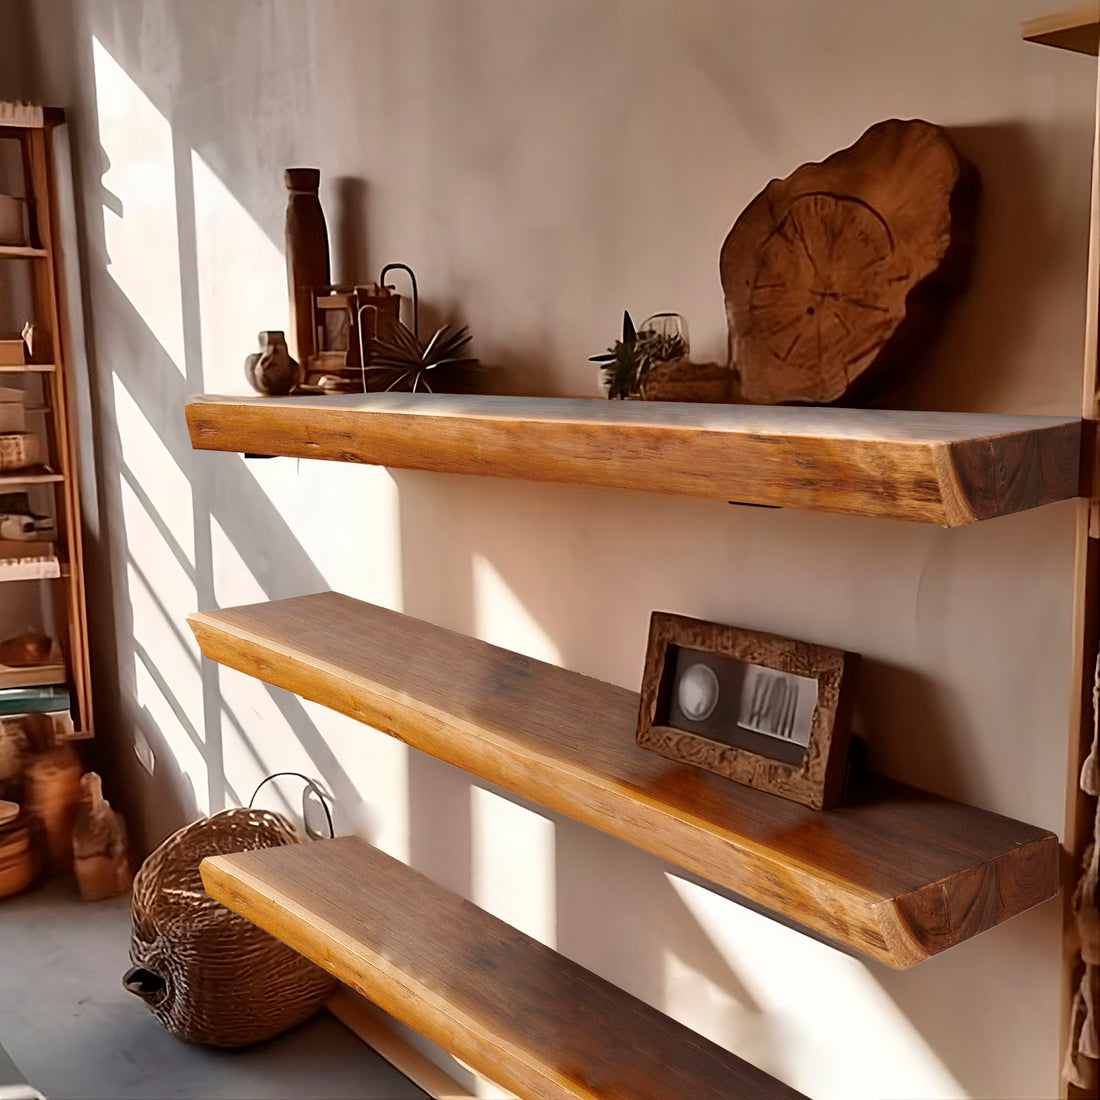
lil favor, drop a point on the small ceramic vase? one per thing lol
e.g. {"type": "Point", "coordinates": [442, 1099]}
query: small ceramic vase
{"type": "Point", "coordinates": [271, 370]}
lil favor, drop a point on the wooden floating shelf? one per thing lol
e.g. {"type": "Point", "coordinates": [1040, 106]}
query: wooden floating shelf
{"type": "Point", "coordinates": [21, 252]}
{"type": "Point", "coordinates": [1076, 29]}
{"type": "Point", "coordinates": [945, 468]}
{"type": "Point", "coordinates": [513, 1009]}
{"type": "Point", "coordinates": [896, 873]}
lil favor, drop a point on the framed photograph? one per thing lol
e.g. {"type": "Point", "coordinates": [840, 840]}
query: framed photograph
{"type": "Point", "coordinates": [766, 711]}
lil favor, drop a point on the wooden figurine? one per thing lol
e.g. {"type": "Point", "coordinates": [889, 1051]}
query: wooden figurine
{"type": "Point", "coordinates": [837, 274]}
{"type": "Point", "coordinates": [100, 855]}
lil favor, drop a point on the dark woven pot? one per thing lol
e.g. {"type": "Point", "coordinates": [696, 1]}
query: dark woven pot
{"type": "Point", "coordinates": [209, 975]}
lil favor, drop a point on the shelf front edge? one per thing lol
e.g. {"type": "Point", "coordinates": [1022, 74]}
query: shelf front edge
{"type": "Point", "coordinates": [943, 468]}
{"type": "Point", "coordinates": [707, 825]}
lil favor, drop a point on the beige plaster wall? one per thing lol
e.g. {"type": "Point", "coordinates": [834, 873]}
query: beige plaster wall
{"type": "Point", "coordinates": [543, 165]}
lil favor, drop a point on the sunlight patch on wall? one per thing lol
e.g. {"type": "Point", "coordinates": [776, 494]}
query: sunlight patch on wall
{"type": "Point", "coordinates": [241, 281]}
{"type": "Point", "coordinates": [257, 740]}
{"type": "Point", "coordinates": [145, 453]}
{"type": "Point", "coordinates": [161, 593]}
{"type": "Point", "coordinates": [179, 744]}
{"type": "Point", "coordinates": [368, 775]}
{"type": "Point", "coordinates": [345, 519]}
{"type": "Point", "coordinates": [839, 1036]}
{"type": "Point", "coordinates": [513, 864]}
{"type": "Point", "coordinates": [139, 202]}
{"type": "Point", "coordinates": [502, 619]}
{"type": "Point", "coordinates": [233, 578]}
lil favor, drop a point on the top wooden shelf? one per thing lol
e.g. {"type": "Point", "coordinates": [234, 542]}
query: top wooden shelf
{"type": "Point", "coordinates": [1076, 29]}
{"type": "Point", "coordinates": [895, 873]}
{"type": "Point", "coordinates": [945, 468]}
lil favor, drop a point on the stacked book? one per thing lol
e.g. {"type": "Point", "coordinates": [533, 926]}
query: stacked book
{"type": "Point", "coordinates": [32, 681]}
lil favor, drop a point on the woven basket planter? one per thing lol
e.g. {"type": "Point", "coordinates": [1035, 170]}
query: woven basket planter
{"type": "Point", "coordinates": [209, 975]}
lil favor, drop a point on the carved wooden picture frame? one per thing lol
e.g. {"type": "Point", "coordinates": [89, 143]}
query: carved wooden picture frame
{"type": "Point", "coordinates": [770, 712]}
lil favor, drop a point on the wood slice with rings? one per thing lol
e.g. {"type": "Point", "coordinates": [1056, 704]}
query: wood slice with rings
{"type": "Point", "coordinates": [837, 275]}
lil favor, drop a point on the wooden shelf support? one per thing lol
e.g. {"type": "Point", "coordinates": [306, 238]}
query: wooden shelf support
{"type": "Point", "coordinates": [896, 873]}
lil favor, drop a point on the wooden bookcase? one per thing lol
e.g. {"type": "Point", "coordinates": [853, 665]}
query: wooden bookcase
{"type": "Point", "coordinates": [31, 273]}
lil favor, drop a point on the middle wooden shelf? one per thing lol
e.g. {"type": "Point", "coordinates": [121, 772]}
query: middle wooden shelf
{"type": "Point", "coordinates": [896, 873]}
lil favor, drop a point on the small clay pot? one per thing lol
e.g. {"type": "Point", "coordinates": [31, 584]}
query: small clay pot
{"type": "Point", "coordinates": [271, 370]}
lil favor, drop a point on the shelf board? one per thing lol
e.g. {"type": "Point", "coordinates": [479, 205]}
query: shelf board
{"type": "Point", "coordinates": [22, 252]}
{"type": "Point", "coordinates": [50, 672]}
{"type": "Point", "coordinates": [1076, 29]}
{"type": "Point", "coordinates": [896, 873]}
{"type": "Point", "coordinates": [945, 468]}
{"type": "Point", "coordinates": [511, 1008]}
{"type": "Point", "coordinates": [27, 368]}
{"type": "Point", "coordinates": [33, 475]}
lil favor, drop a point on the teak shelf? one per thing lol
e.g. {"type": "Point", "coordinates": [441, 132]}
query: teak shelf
{"type": "Point", "coordinates": [1076, 29]}
{"type": "Point", "coordinates": [513, 1009]}
{"type": "Point", "coordinates": [897, 874]}
{"type": "Point", "coordinates": [944, 468]}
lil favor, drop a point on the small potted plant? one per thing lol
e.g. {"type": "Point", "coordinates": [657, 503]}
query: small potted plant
{"type": "Point", "coordinates": [651, 363]}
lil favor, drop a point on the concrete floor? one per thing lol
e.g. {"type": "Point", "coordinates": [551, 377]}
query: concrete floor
{"type": "Point", "coordinates": [75, 1034]}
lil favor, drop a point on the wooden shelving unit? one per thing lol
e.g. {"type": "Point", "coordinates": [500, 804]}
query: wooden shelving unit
{"type": "Point", "coordinates": [944, 468]}
{"type": "Point", "coordinates": [1076, 29]}
{"type": "Point", "coordinates": [508, 1006]}
{"type": "Point", "coordinates": [48, 381]}
{"type": "Point", "coordinates": [896, 873]}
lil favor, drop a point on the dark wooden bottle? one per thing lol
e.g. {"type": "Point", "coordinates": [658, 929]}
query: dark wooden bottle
{"type": "Point", "coordinates": [307, 264]}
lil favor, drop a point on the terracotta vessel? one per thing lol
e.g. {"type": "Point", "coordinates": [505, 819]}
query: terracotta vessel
{"type": "Point", "coordinates": [271, 370]}
{"type": "Point", "coordinates": [52, 791]}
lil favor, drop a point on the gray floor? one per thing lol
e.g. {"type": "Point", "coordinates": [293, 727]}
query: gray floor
{"type": "Point", "coordinates": [74, 1033]}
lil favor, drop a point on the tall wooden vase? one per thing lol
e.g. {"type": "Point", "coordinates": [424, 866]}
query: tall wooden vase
{"type": "Point", "coordinates": [307, 264]}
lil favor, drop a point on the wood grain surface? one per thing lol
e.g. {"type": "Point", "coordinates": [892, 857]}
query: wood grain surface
{"type": "Point", "coordinates": [944, 468]}
{"type": "Point", "coordinates": [895, 873]}
{"type": "Point", "coordinates": [838, 275]}
{"type": "Point", "coordinates": [513, 1009]}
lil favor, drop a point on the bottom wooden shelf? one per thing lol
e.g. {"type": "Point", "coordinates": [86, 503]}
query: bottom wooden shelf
{"type": "Point", "coordinates": [513, 1009]}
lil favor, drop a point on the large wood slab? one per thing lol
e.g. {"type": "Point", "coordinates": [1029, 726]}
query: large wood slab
{"type": "Point", "coordinates": [895, 873]}
{"type": "Point", "coordinates": [944, 468]}
{"type": "Point", "coordinates": [513, 1009]}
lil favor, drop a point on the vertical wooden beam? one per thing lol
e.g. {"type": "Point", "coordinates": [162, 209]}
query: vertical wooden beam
{"type": "Point", "coordinates": [1080, 809]}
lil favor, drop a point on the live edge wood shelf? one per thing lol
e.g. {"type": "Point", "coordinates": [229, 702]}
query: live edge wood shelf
{"type": "Point", "coordinates": [896, 873]}
{"type": "Point", "coordinates": [944, 468]}
{"type": "Point", "coordinates": [511, 1008]}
